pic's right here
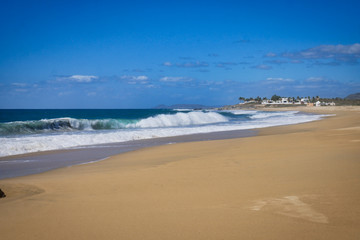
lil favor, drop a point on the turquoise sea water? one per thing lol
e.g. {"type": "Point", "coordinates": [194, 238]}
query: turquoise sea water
{"type": "Point", "coordinates": [11, 115]}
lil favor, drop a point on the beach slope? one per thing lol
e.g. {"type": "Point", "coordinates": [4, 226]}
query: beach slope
{"type": "Point", "coordinates": [290, 182]}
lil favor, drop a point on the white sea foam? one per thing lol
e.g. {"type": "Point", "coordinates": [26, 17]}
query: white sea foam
{"type": "Point", "coordinates": [261, 115]}
{"type": "Point", "coordinates": [153, 127]}
{"type": "Point", "coordinates": [241, 112]}
{"type": "Point", "coordinates": [180, 119]}
{"type": "Point", "coordinates": [183, 110]}
{"type": "Point", "coordinates": [15, 161]}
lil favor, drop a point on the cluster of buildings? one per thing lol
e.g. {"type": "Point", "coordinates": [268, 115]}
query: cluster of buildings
{"type": "Point", "coordinates": [286, 101]}
{"type": "Point", "coordinates": [304, 101]}
{"type": "Point", "coordinates": [318, 103]}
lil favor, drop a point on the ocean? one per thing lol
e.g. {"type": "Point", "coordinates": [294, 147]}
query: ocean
{"type": "Point", "coordinates": [34, 141]}
{"type": "Point", "coordinates": [26, 131]}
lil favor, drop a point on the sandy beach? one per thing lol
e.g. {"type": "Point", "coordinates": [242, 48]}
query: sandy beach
{"type": "Point", "coordinates": [290, 182]}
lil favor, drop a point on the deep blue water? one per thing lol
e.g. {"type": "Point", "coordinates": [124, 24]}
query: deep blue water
{"type": "Point", "coordinates": [11, 115]}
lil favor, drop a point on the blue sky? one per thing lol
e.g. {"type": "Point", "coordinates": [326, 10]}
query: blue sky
{"type": "Point", "coordinates": [138, 54]}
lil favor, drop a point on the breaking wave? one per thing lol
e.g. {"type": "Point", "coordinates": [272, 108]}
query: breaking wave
{"type": "Point", "coordinates": [60, 133]}
{"type": "Point", "coordinates": [180, 120]}
{"type": "Point", "coordinates": [57, 125]}
{"type": "Point", "coordinates": [71, 124]}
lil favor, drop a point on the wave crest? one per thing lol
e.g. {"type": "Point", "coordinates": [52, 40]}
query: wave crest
{"type": "Point", "coordinates": [72, 124]}
{"type": "Point", "coordinates": [58, 125]}
{"type": "Point", "coordinates": [180, 120]}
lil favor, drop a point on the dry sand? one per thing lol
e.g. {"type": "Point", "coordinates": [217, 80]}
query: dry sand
{"type": "Point", "coordinates": [290, 182]}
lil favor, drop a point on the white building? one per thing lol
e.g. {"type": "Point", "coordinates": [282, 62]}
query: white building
{"type": "Point", "coordinates": [304, 100]}
{"type": "Point", "coordinates": [280, 101]}
{"type": "Point", "coordinates": [285, 101]}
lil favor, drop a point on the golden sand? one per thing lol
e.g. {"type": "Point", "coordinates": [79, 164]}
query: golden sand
{"type": "Point", "coordinates": [290, 182]}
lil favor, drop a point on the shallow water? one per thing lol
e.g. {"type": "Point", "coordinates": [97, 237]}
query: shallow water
{"type": "Point", "coordinates": [26, 164]}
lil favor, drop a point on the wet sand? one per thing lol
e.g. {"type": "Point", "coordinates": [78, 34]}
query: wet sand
{"type": "Point", "coordinates": [291, 182]}
{"type": "Point", "coordinates": [38, 162]}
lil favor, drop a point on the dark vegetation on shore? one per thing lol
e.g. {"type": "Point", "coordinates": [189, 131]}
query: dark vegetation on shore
{"type": "Point", "coordinates": [255, 103]}
{"type": "Point", "coordinates": [252, 106]}
{"type": "Point", "coordinates": [352, 99]}
{"type": "Point", "coordinates": [343, 101]}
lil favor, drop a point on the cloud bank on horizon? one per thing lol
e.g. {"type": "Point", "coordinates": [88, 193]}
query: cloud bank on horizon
{"type": "Point", "coordinates": [140, 54]}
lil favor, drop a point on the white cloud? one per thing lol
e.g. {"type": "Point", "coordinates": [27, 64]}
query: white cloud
{"type": "Point", "coordinates": [77, 78]}
{"type": "Point", "coordinates": [64, 93]}
{"type": "Point", "coordinates": [340, 53]}
{"type": "Point", "coordinates": [196, 64]}
{"type": "Point", "coordinates": [192, 64]}
{"type": "Point", "coordinates": [19, 84]}
{"type": "Point", "coordinates": [226, 64]}
{"type": "Point", "coordinates": [141, 78]}
{"type": "Point", "coordinates": [276, 61]}
{"type": "Point", "coordinates": [21, 90]}
{"type": "Point", "coordinates": [83, 78]}
{"type": "Point", "coordinates": [315, 79]}
{"type": "Point", "coordinates": [280, 79]}
{"type": "Point", "coordinates": [319, 80]}
{"type": "Point", "coordinates": [175, 79]}
{"type": "Point", "coordinates": [270, 54]}
{"type": "Point", "coordinates": [263, 67]}
{"type": "Point", "coordinates": [307, 86]}
{"type": "Point", "coordinates": [168, 64]}
{"type": "Point", "coordinates": [339, 49]}
{"type": "Point", "coordinates": [135, 78]}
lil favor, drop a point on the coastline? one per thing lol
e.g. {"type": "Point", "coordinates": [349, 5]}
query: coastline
{"type": "Point", "coordinates": [48, 152]}
{"type": "Point", "coordinates": [289, 182]}
{"type": "Point", "coordinates": [38, 162]}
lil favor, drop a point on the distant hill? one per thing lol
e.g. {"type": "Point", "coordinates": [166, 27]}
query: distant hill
{"type": "Point", "coordinates": [183, 106]}
{"type": "Point", "coordinates": [355, 96]}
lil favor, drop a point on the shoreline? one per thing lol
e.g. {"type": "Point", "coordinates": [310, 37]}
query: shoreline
{"type": "Point", "coordinates": [37, 162]}
{"type": "Point", "coordinates": [302, 177]}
